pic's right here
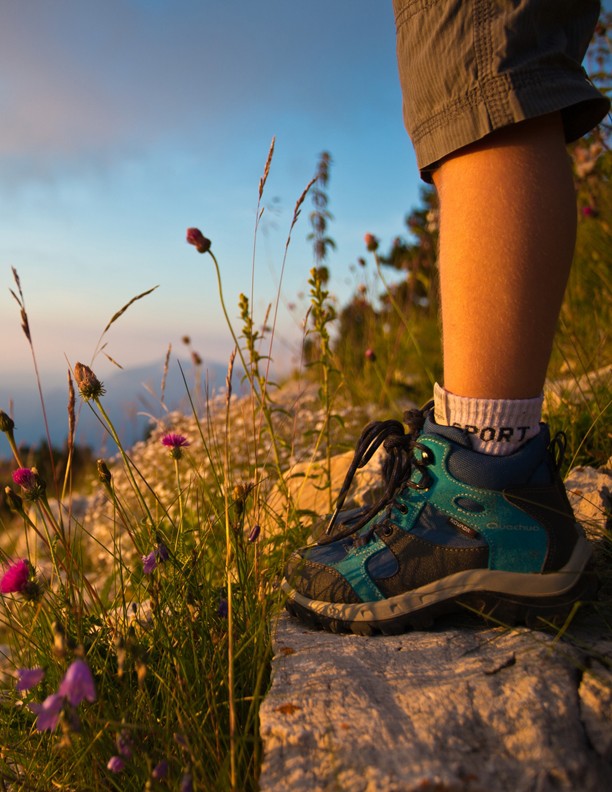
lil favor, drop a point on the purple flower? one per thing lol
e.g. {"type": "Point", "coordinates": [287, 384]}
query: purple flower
{"type": "Point", "coordinates": [196, 238]}
{"type": "Point", "coordinates": [28, 678]}
{"type": "Point", "coordinates": [186, 783]}
{"type": "Point", "coordinates": [158, 555]}
{"type": "Point", "coordinates": [222, 609]}
{"type": "Point", "coordinates": [115, 764]}
{"type": "Point", "coordinates": [254, 534]}
{"type": "Point", "coordinates": [176, 443]}
{"type": "Point", "coordinates": [160, 770]}
{"type": "Point", "coordinates": [15, 579]}
{"type": "Point", "coordinates": [124, 743]}
{"type": "Point", "coordinates": [48, 712]}
{"type": "Point", "coordinates": [78, 684]}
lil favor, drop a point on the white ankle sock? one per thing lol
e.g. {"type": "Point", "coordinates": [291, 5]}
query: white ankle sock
{"type": "Point", "coordinates": [498, 426]}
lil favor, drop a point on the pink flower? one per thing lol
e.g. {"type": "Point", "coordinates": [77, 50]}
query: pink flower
{"type": "Point", "coordinates": [370, 354]}
{"type": "Point", "coordinates": [371, 242]}
{"type": "Point", "coordinates": [28, 678]}
{"type": "Point", "coordinates": [78, 684]}
{"type": "Point", "coordinates": [15, 579]}
{"type": "Point", "coordinates": [172, 440]}
{"type": "Point", "coordinates": [176, 443]}
{"type": "Point", "coordinates": [48, 712]}
{"type": "Point", "coordinates": [196, 238]}
{"type": "Point", "coordinates": [30, 482]}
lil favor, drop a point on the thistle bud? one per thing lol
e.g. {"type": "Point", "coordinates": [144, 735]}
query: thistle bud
{"type": "Point", "coordinates": [13, 501]}
{"type": "Point", "coordinates": [371, 242]}
{"type": "Point", "coordinates": [6, 423]}
{"type": "Point", "coordinates": [88, 384]}
{"type": "Point", "coordinates": [104, 473]}
{"type": "Point", "coordinates": [196, 238]}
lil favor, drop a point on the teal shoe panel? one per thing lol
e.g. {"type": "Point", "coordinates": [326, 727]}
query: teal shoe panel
{"type": "Point", "coordinates": [353, 568]}
{"type": "Point", "coordinates": [517, 542]}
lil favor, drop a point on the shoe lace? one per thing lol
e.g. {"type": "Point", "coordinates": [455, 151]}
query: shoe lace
{"type": "Point", "coordinates": [396, 471]}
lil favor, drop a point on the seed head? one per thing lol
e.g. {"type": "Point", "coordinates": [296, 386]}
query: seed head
{"type": "Point", "coordinates": [88, 384]}
{"type": "Point", "coordinates": [196, 238]}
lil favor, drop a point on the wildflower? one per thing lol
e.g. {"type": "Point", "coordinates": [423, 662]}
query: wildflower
{"type": "Point", "coordinates": [160, 770]}
{"type": "Point", "coordinates": [48, 712]}
{"type": "Point", "coordinates": [115, 764]}
{"type": "Point", "coordinates": [88, 384]}
{"type": "Point", "coordinates": [370, 355]}
{"type": "Point", "coordinates": [13, 501]}
{"type": "Point", "coordinates": [78, 684]}
{"type": "Point", "coordinates": [176, 443]}
{"type": "Point", "coordinates": [254, 534]}
{"type": "Point", "coordinates": [30, 482]}
{"type": "Point", "coordinates": [222, 610]}
{"type": "Point", "coordinates": [28, 678]}
{"type": "Point", "coordinates": [371, 242]}
{"type": "Point", "coordinates": [15, 579]}
{"type": "Point", "coordinates": [158, 555]}
{"type": "Point", "coordinates": [589, 211]}
{"type": "Point", "coordinates": [124, 743]}
{"type": "Point", "coordinates": [196, 238]}
{"type": "Point", "coordinates": [186, 783]}
{"type": "Point", "coordinates": [6, 423]}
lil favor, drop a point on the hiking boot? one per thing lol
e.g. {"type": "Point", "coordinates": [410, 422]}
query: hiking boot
{"type": "Point", "coordinates": [455, 531]}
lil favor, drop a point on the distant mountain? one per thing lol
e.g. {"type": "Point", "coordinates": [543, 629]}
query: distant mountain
{"type": "Point", "coordinates": [132, 394]}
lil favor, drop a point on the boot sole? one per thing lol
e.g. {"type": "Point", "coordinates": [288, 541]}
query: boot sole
{"type": "Point", "coordinates": [544, 600]}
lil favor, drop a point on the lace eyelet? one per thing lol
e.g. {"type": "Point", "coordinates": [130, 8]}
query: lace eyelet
{"type": "Point", "coordinates": [402, 508]}
{"type": "Point", "coordinates": [387, 529]}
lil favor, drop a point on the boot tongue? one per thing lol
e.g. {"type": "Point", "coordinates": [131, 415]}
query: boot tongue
{"type": "Point", "coordinates": [453, 433]}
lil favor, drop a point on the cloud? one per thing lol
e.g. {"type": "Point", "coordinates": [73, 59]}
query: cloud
{"type": "Point", "coordinates": [95, 81]}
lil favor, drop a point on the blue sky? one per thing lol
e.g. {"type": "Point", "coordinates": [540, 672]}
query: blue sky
{"type": "Point", "coordinates": [126, 121]}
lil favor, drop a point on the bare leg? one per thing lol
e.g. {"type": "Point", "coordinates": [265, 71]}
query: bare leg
{"type": "Point", "coordinates": [507, 235]}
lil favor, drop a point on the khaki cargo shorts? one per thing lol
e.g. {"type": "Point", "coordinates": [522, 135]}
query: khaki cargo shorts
{"type": "Point", "coordinates": [468, 67]}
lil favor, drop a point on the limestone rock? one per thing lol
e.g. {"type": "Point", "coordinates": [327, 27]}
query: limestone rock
{"type": "Point", "coordinates": [458, 708]}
